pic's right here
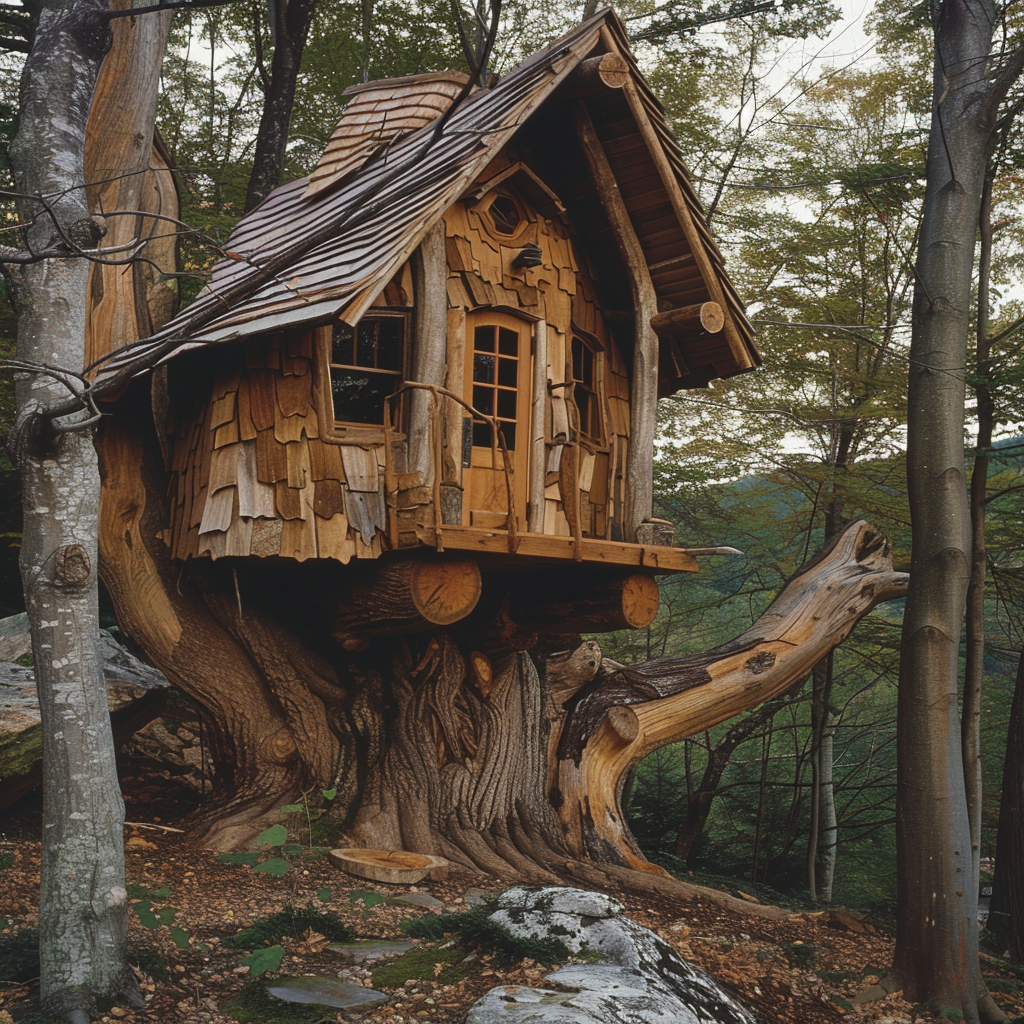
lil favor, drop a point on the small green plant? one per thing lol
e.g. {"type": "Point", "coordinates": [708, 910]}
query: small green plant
{"type": "Point", "coordinates": [253, 1005]}
{"type": "Point", "coordinates": [6, 861]}
{"type": "Point", "coordinates": [152, 913]}
{"type": "Point", "coordinates": [477, 930]}
{"type": "Point", "coordinates": [368, 899]}
{"type": "Point", "coordinates": [273, 854]}
{"type": "Point", "coordinates": [292, 921]}
{"type": "Point", "coordinates": [262, 960]}
{"type": "Point", "coordinates": [19, 955]}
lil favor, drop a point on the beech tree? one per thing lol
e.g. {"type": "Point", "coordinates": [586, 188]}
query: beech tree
{"type": "Point", "coordinates": [83, 906]}
{"type": "Point", "coordinates": [937, 929]}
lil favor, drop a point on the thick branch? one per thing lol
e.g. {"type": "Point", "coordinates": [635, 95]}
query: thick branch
{"type": "Point", "coordinates": [676, 697]}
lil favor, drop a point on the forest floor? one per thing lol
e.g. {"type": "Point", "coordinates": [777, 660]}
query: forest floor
{"type": "Point", "coordinates": [804, 967]}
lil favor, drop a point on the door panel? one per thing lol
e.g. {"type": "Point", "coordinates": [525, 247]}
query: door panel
{"type": "Point", "coordinates": [497, 384]}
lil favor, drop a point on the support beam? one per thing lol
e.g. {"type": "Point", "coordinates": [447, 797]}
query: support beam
{"type": "Point", "coordinates": [586, 605]}
{"type": "Point", "coordinates": [703, 316]}
{"type": "Point", "coordinates": [430, 349]}
{"type": "Point", "coordinates": [643, 409]}
{"type": "Point", "coordinates": [401, 597]}
{"type": "Point", "coordinates": [538, 411]}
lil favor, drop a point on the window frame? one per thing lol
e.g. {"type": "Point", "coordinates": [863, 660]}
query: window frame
{"type": "Point", "coordinates": [338, 430]}
{"type": "Point", "coordinates": [598, 441]}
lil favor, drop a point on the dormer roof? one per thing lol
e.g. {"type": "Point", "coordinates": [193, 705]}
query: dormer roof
{"type": "Point", "coordinates": [323, 247]}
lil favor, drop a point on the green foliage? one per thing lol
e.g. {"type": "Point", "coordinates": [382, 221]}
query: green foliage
{"type": "Point", "coordinates": [476, 930]}
{"type": "Point", "coordinates": [152, 913]}
{"type": "Point", "coordinates": [19, 955]}
{"type": "Point", "coordinates": [266, 959]}
{"type": "Point", "coordinates": [422, 963]}
{"type": "Point", "coordinates": [254, 1005]}
{"type": "Point", "coordinates": [291, 921]}
{"type": "Point", "coordinates": [6, 861]}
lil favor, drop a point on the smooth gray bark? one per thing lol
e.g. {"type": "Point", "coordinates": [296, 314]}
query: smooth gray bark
{"type": "Point", "coordinates": [83, 904]}
{"type": "Point", "coordinates": [937, 924]}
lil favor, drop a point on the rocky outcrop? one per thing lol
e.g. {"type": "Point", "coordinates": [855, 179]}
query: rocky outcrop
{"type": "Point", "coordinates": [640, 978]}
{"type": "Point", "coordinates": [136, 693]}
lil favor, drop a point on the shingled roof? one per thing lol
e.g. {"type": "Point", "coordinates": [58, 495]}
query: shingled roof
{"type": "Point", "coordinates": [309, 255]}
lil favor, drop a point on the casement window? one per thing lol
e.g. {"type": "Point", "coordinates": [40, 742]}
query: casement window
{"type": "Point", "coordinates": [365, 365]}
{"type": "Point", "coordinates": [585, 392]}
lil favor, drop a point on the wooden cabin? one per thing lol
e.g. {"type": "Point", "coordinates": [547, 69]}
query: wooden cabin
{"type": "Point", "coordinates": [453, 334]}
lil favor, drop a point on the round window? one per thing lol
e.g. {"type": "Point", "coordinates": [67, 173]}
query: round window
{"type": "Point", "coordinates": [505, 214]}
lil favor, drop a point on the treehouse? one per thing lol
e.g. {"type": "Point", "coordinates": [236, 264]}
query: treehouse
{"type": "Point", "coordinates": [436, 361]}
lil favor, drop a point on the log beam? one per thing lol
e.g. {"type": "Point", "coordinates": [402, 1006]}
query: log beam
{"type": "Point", "coordinates": [586, 605]}
{"type": "Point", "coordinates": [703, 316]}
{"type": "Point", "coordinates": [406, 596]}
{"type": "Point", "coordinates": [672, 698]}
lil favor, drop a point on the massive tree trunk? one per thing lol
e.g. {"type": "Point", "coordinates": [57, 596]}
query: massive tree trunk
{"type": "Point", "coordinates": [482, 741]}
{"type": "Point", "coordinates": [937, 923]}
{"type": "Point", "coordinates": [83, 904]}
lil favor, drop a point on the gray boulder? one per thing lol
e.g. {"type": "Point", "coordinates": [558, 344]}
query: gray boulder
{"type": "Point", "coordinates": [136, 693]}
{"type": "Point", "coordinates": [642, 980]}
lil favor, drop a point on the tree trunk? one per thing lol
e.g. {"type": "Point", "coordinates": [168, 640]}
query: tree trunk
{"type": "Point", "coordinates": [698, 804]}
{"type": "Point", "coordinates": [83, 903]}
{"type": "Point", "coordinates": [937, 924]}
{"type": "Point", "coordinates": [1006, 913]}
{"type": "Point", "coordinates": [974, 665]}
{"type": "Point", "coordinates": [290, 30]}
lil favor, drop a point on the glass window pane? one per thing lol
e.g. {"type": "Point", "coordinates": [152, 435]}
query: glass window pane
{"type": "Point", "coordinates": [508, 372]}
{"type": "Point", "coordinates": [389, 343]}
{"type": "Point", "coordinates": [583, 404]}
{"type": "Point", "coordinates": [359, 397]}
{"type": "Point", "coordinates": [588, 367]}
{"type": "Point", "coordinates": [508, 342]}
{"type": "Point", "coordinates": [343, 345]}
{"type": "Point", "coordinates": [507, 405]}
{"type": "Point", "coordinates": [483, 339]}
{"type": "Point", "coordinates": [481, 435]}
{"type": "Point", "coordinates": [483, 369]}
{"type": "Point", "coordinates": [509, 430]}
{"type": "Point", "coordinates": [577, 358]}
{"type": "Point", "coordinates": [483, 400]}
{"type": "Point", "coordinates": [366, 343]}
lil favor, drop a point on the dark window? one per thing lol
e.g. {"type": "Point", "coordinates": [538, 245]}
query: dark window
{"type": "Point", "coordinates": [366, 367]}
{"type": "Point", "coordinates": [584, 376]}
{"type": "Point", "coordinates": [495, 382]}
{"type": "Point", "coordinates": [506, 216]}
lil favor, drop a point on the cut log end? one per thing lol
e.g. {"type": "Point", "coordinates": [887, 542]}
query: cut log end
{"type": "Point", "coordinates": [703, 316]}
{"type": "Point", "coordinates": [445, 592]}
{"type": "Point", "coordinates": [395, 866]}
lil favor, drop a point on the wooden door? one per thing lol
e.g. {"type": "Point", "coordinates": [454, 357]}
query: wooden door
{"type": "Point", "coordinates": [498, 378]}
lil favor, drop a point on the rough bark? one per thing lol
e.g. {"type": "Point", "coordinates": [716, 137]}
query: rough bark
{"type": "Point", "coordinates": [1006, 913]}
{"type": "Point", "coordinates": [83, 902]}
{"type": "Point", "coordinates": [290, 29]}
{"type": "Point", "coordinates": [937, 924]}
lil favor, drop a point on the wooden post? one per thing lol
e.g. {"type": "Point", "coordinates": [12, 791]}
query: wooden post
{"type": "Point", "coordinates": [451, 483]}
{"type": "Point", "coordinates": [643, 409]}
{"type": "Point", "coordinates": [429, 354]}
{"type": "Point", "coordinates": [538, 446]}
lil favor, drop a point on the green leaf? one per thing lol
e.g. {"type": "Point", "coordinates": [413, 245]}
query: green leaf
{"type": "Point", "coordinates": [238, 858]}
{"type": "Point", "coordinates": [370, 899]}
{"type": "Point", "coordinates": [291, 808]}
{"type": "Point", "coordinates": [329, 794]}
{"type": "Point", "coordinates": [291, 850]}
{"type": "Point", "coordinates": [268, 959]}
{"type": "Point", "coordinates": [273, 836]}
{"type": "Point", "coordinates": [138, 892]}
{"type": "Point", "coordinates": [180, 937]}
{"type": "Point", "coordinates": [274, 866]}
{"type": "Point", "coordinates": [324, 894]}
{"type": "Point", "coordinates": [166, 915]}
{"type": "Point", "coordinates": [146, 916]}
